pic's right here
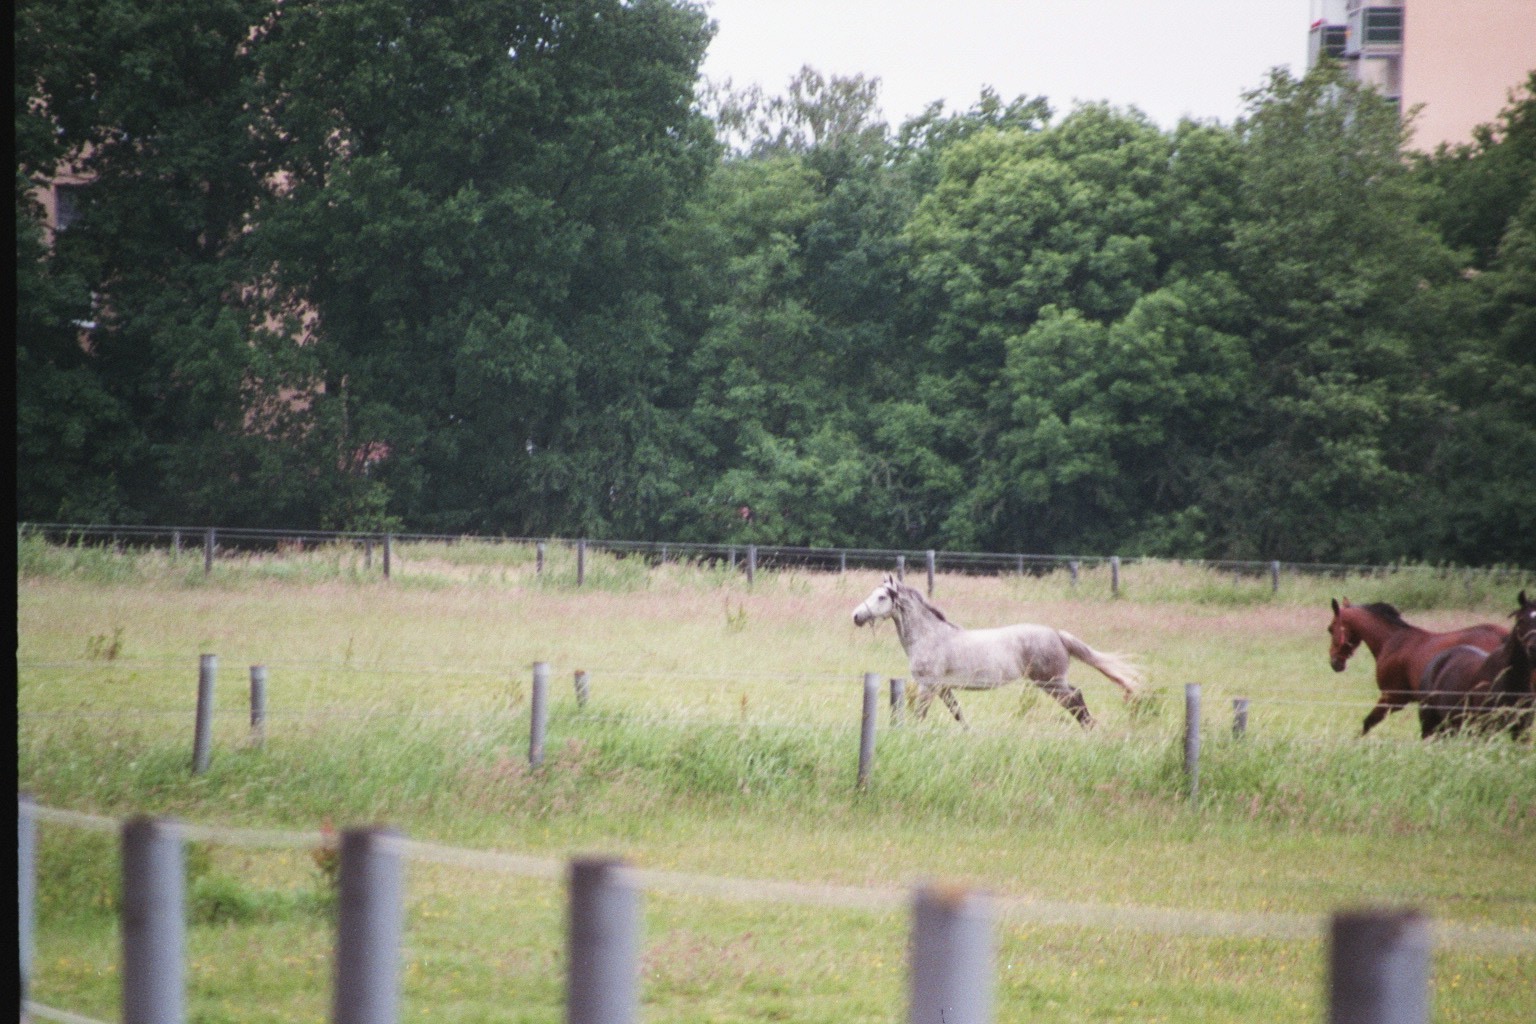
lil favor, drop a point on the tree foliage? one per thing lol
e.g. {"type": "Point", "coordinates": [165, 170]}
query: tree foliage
{"type": "Point", "coordinates": [512, 267]}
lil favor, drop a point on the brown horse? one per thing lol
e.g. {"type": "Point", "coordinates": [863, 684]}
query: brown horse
{"type": "Point", "coordinates": [1402, 651]}
{"type": "Point", "coordinates": [1465, 686]}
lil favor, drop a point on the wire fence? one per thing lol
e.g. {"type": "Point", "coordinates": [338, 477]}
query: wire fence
{"type": "Point", "coordinates": [950, 948]}
{"type": "Point", "coordinates": [743, 555]}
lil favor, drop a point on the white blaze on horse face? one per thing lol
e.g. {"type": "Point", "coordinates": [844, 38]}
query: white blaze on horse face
{"type": "Point", "coordinates": [877, 605]}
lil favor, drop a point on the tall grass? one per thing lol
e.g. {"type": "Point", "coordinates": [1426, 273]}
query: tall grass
{"type": "Point", "coordinates": [722, 738]}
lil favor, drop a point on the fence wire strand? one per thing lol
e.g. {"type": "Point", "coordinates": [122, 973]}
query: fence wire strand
{"type": "Point", "coordinates": [1010, 909]}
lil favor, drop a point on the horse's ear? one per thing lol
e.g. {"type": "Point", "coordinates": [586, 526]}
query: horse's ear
{"type": "Point", "coordinates": [1335, 606]}
{"type": "Point", "coordinates": [1523, 601]}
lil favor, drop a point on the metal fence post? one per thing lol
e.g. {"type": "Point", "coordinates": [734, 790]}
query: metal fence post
{"type": "Point", "coordinates": [581, 563]}
{"type": "Point", "coordinates": [202, 733]}
{"type": "Point", "coordinates": [389, 551]}
{"type": "Point", "coordinates": [842, 563]}
{"type": "Point", "coordinates": [898, 701]}
{"type": "Point", "coordinates": [539, 714]}
{"type": "Point", "coordinates": [1114, 575]}
{"type": "Point", "coordinates": [175, 545]}
{"type": "Point", "coordinates": [368, 554]}
{"type": "Point", "coordinates": [931, 558]}
{"type": "Point", "coordinates": [366, 988]}
{"type": "Point", "coordinates": [951, 967]}
{"type": "Point", "coordinates": [1239, 717]}
{"type": "Point", "coordinates": [153, 922]}
{"type": "Point", "coordinates": [258, 704]}
{"type": "Point", "coordinates": [26, 884]}
{"type": "Point", "coordinates": [1073, 566]}
{"type": "Point", "coordinates": [1378, 968]}
{"type": "Point", "coordinates": [1274, 577]}
{"type": "Point", "coordinates": [751, 562]}
{"type": "Point", "coordinates": [583, 688]}
{"type": "Point", "coordinates": [867, 727]}
{"type": "Point", "coordinates": [538, 559]}
{"type": "Point", "coordinates": [209, 542]}
{"type": "Point", "coordinates": [602, 936]}
{"type": "Point", "coordinates": [1192, 737]}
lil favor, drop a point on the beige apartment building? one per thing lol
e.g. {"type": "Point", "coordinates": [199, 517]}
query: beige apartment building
{"type": "Point", "coordinates": [1455, 60]}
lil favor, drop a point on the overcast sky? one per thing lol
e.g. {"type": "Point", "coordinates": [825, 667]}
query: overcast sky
{"type": "Point", "coordinates": [1169, 58]}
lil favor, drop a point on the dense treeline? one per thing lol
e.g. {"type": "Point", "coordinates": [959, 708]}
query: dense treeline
{"type": "Point", "coordinates": [509, 266]}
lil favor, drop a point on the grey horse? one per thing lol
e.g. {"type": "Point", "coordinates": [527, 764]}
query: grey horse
{"type": "Point", "coordinates": [944, 657]}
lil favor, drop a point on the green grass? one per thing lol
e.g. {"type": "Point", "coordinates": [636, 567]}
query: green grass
{"type": "Point", "coordinates": [721, 739]}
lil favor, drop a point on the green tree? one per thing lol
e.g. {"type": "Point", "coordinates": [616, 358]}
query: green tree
{"type": "Point", "coordinates": [1343, 282]}
{"type": "Point", "coordinates": [472, 204]}
{"type": "Point", "coordinates": [152, 104]}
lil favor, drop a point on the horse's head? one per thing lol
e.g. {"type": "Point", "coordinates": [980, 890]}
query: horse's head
{"type": "Point", "coordinates": [880, 604]}
{"type": "Point", "coordinates": [1342, 637]}
{"type": "Point", "coordinates": [1524, 632]}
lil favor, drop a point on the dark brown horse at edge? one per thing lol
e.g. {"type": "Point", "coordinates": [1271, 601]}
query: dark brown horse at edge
{"type": "Point", "coordinates": [1467, 687]}
{"type": "Point", "coordinates": [1402, 651]}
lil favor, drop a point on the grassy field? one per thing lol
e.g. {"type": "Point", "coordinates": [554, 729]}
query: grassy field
{"type": "Point", "coordinates": [721, 739]}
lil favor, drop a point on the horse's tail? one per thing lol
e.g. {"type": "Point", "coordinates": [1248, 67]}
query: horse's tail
{"type": "Point", "coordinates": [1121, 672]}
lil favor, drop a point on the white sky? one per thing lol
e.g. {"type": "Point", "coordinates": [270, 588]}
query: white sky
{"type": "Point", "coordinates": [1169, 58]}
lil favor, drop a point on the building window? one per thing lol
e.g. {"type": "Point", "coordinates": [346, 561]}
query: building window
{"type": "Point", "coordinates": [68, 206]}
{"type": "Point", "coordinates": [1383, 26]}
{"type": "Point", "coordinates": [1333, 38]}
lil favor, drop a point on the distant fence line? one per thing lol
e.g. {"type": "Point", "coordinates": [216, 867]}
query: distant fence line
{"type": "Point", "coordinates": [742, 556]}
{"type": "Point", "coordinates": [1379, 960]}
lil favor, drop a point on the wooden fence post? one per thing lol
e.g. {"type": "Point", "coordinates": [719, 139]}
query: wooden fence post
{"type": "Point", "coordinates": [751, 562]}
{"type": "Point", "coordinates": [258, 705]}
{"type": "Point", "coordinates": [538, 559]}
{"type": "Point", "coordinates": [867, 727]}
{"type": "Point", "coordinates": [209, 542]}
{"type": "Point", "coordinates": [538, 714]}
{"type": "Point", "coordinates": [1114, 575]}
{"type": "Point", "coordinates": [369, 915]}
{"type": "Point", "coordinates": [602, 937]}
{"type": "Point", "coordinates": [583, 688]}
{"type": "Point", "coordinates": [202, 731]}
{"type": "Point", "coordinates": [389, 551]}
{"type": "Point", "coordinates": [581, 563]}
{"type": "Point", "coordinates": [950, 973]}
{"type": "Point", "coordinates": [931, 559]}
{"type": "Point", "coordinates": [1239, 717]}
{"type": "Point", "coordinates": [153, 922]}
{"type": "Point", "coordinates": [1378, 968]}
{"type": "Point", "coordinates": [898, 701]}
{"type": "Point", "coordinates": [901, 568]}
{"type": "Point", "coordinates": [1274, 577]}
{"type": "Point", "coordinates": [1072, 566]}
{"type": "Point", "coordinates": [1192, 737]}
{"type": "Point", "coordinates": [26, 885]}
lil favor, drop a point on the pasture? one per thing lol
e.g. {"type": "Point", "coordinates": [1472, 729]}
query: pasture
{"type": "Point", "coordinates": [720, 740]}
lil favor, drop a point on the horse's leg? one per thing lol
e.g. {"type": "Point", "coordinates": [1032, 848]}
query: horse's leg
{"type": "Point", "coordinates": [1388, 703]}
{"type": "Point", "coordinates": [948, 697]}
{"type": "Point", "coordinates": [924, 698]}
{"type": "Point", "coordinates": [1069, 697]}
{"type": "Point", "coordinates": [1522, 724]}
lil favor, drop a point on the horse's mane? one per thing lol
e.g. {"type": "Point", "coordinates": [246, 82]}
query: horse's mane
{"type": "Point", "coordinates": [912, 594]}
{"type": "Point", "coordinates": [1387, 613]}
